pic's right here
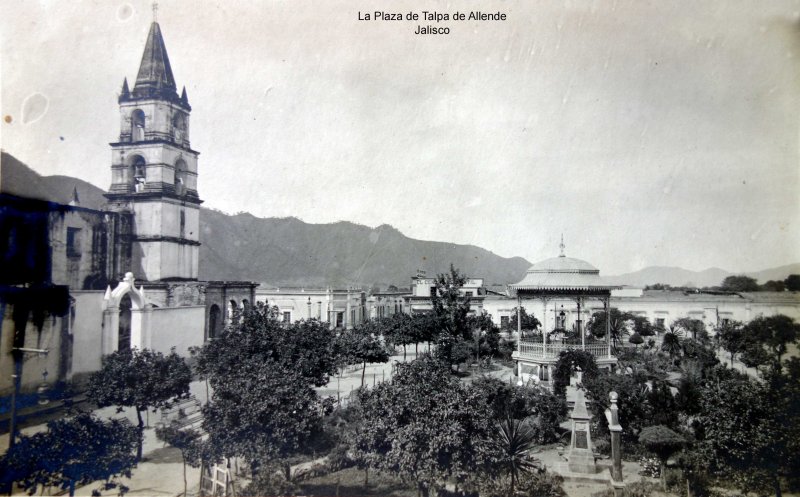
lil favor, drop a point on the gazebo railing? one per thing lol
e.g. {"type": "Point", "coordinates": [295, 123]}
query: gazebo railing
{"type": "Point", "coordinates": [538, 350]}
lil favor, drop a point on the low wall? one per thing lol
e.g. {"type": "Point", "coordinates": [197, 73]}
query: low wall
{"type": "Point", "coordinates": [179, 327]}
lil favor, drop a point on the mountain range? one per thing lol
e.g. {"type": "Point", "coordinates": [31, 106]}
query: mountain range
{"type": "Point", "coordinates": [291, 252]}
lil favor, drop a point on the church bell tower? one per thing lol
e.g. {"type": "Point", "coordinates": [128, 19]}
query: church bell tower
{"type": "Point", "coordinates": [154, 170]}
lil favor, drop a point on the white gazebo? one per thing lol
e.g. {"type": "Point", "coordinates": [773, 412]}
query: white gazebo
{"type": "Point", "coordinates": [553, 281]}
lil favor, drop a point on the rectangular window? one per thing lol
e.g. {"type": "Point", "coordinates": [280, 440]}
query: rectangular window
{"type": "Point", "coordinates": [287, 317]}
{"type": "Point", "coordinates": [468, 294]}
{"type": "Point", "coordinates": [660, 323]}
{"type": "Point", "coordinates": [504, 321]}
{"type": "Point", "coordinates": [73, 242]}
{"type": "Point", "coordinates": [433, 291]}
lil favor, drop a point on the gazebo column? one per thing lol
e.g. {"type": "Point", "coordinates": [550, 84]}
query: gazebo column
{"type": "Point", "coordinates": [607, 304]}
{"type": "Point", "coordinates": [519, 320]}
{"type": "Point", "coordinates": [544, 327]}
{"type": "Point", "coordinates": [580, 331]}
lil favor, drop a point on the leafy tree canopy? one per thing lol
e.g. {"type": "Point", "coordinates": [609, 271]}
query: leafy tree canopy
{"type": "Point", "coordinates": [529, 321]}
{"type": "Point", "coordinates": [619, 324]}
{"type": "Point", "coordinates": [141, 379]}
{"type": "Point", "coordinates": [262, 411]}
{"type": "Point", "coordinates": [73, 452]}
{"type": "Point", "coordinates": [304, 346]}
{"type": "Point", "coordinates": [568, 361]}
{"type": "Point", "coordinates": [426, 426]}
{"type": "Point", "coordinates": [773, 332]}
{"type": "Point", "coordinates": [739, 283]}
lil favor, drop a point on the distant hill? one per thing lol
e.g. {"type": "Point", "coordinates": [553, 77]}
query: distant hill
{"type": "Point", "coordinates": [288, 251]}
{"type": "Point", "coordinates": [676, 276]}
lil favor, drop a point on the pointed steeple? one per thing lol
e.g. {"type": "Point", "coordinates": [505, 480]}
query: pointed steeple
{"type": "Point", "coordinates": [155, 77]}
{"type": "Point", "coordinates": [125, 91]}
{"type": "Point", "coordinates": [184, 98]}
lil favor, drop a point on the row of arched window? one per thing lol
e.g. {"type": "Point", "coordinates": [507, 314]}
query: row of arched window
{"type": "Point", "coordinates": [139, 174]}
{"type": "Point", "coordinates": [216, 319]}
{"type": "Point", "coordinates": [138, 126]}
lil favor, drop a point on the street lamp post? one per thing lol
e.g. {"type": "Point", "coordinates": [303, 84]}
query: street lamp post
{"type": "Point", "coordinates": [17, 354]}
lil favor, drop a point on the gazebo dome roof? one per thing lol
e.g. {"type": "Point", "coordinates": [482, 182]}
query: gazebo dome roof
{"type": "Point", "coordinates": [562, 274]}
{"type": "Point", "coordinates": [563, 264]}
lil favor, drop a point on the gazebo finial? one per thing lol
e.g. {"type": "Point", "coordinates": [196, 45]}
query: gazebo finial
{"type": "Point", "coordinates": [561, 246]}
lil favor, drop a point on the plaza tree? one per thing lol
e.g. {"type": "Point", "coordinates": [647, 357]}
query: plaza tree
{"type": "Point", "coordinates": [662, 442]}
{"type": "Point", "coordinates": [305, 346]}
{"type": "Point", "coordinates": [618, 324]}
{"type": "Point", "coordinates": [187, 441]}
{"type": "Point", "coordinates": [73, 452]}
{"type": "Point", "coordinates": [265, 412]}
{"type": "Point", "coordinates": [568, 362]}
{"type": "Point", "coordinates": [636, 339]}
{"type": "Point", "coordinates": [693, 328]}
{"type": "Point", "coordinates": [426, 426]}
{"type": "Point", "coordinates": [774, 333]}
{"type": "Point", "coordinates": [361, 346]}
{"type": "Point", "coordinates": [485, 335]}
{"type": "Point", "coordinates": [450, 310]}
{"type": "Point", "coordinates": [529, 322]}
{"type": "Point", "coordinates": [142, 379]}
{"type": "Point", "coordinates": [792, 282]}
{"type": "Point", "coordinates": [642, 325]}
{"type": "Point", "coordinates": [397, 330]}
{"type": "Point", "coordinates": [748, 429]}
{"type": "Point", "coordinates": [635, 411]}
{"type": "Point", "coordinates": [732, 338]}
{"type": "Point", "coordinates": [543, 410]}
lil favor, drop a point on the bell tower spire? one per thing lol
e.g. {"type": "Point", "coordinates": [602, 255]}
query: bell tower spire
{"type": "Point", "coordinates": [154, 169]}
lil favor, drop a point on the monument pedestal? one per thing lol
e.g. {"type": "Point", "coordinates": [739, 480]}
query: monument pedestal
{"type": "Point", "coordinates": [581, 456]}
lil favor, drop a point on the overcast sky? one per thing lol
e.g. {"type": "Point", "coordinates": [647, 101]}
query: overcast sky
{"type": "Point", "coordinates": [648, 133]}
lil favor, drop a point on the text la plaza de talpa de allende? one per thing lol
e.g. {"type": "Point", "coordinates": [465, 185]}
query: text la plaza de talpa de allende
{"type": "Point", "coordinates": [431, 16]}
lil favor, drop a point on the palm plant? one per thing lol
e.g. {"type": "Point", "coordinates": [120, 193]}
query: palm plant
{"type": "Point", "coordinates": [517, 440]}
{"type": "Point", "coordinates": [671, 343]}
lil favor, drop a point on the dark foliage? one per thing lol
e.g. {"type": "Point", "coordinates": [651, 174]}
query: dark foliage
{"type": "Point", "coordinates": [73, 452]}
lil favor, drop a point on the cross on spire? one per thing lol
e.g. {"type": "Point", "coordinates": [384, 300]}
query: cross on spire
{"type": "Point", "coordinates": [155, 11]}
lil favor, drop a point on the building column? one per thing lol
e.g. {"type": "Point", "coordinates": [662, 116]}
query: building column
{"type": "Point", "coordinates": [347, 324]}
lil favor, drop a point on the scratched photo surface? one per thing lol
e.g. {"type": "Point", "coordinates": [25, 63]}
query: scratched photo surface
{"type": "Point", "coordinates": [322, 162]}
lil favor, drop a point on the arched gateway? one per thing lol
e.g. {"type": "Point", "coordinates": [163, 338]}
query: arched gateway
{"type": "Point", "coordinates": [553, 283]}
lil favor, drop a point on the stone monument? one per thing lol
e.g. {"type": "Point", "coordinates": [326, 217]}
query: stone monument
{"type": "Point", "coordinates": [581, 457]}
